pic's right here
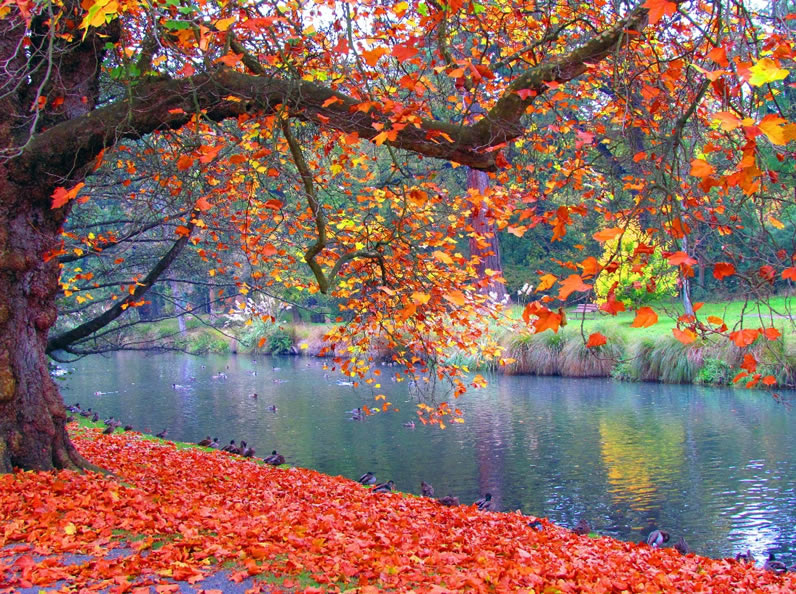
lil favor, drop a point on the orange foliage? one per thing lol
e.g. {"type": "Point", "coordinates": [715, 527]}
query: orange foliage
{"type": "Point", "coordinates": [175, 524]}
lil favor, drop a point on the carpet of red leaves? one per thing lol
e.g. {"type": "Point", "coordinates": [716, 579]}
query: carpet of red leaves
{"type": "Point", "coordinates": [186, 512]}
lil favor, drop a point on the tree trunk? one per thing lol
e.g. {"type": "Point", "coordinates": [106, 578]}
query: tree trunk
{"type": "Point", "coordinates": [486, 247]}
{"type": "Point", "coordinates": [32, 414]}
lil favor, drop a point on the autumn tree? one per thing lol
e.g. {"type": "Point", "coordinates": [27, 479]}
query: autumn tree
{"type": "Point", "coordinates": [291, 107]}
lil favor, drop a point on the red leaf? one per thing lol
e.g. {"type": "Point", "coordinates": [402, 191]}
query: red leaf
{"type": "Point", "coordinates": [771, 333]}
{"type": "Point", "coordinates": [185, 162]}
{"type": "Point", "coordinates": [749, 363]}
{"type": "Point", "coordinates": [743, 338]}
{"type": "Point", "coordinates": [658, 9]}
{"type": "Point", "coordinates": [701, 168]}
{"type": "Point", "coordinates": [596, 339]}
{"type": "Point", "coordinates": [722, 270]}
{"type": "Point", "coordinates": [607, 234]}
{"type": "Point", "coordinates": [572, 283]}
{"type": "Point", "coordinates": [678, 258]}
{"type": "Point", "coordinates": [789, 273]}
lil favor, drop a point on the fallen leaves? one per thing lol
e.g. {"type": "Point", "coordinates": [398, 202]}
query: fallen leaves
{"type": "Point", "coordinates": [180, 514]}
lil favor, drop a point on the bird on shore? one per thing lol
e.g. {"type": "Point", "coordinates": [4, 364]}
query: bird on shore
{"type": "Point", "coordinates": [275, 459]}
{"type": "Point", "coordinates": [681, 546]}
{"type": "Point", "coordinates": [128, 427]}
{"type": "Point", "coordinates": [108, 430]}
{"type": "Point", "coordinates": [448, 501]}
{"type": "Point", "coordinates": [74, 408]}
{"type": "Point", "coordinates": [485, 503]}
{"type": "Point", "coordinates": [582, 528]}
{"type": "Point", "coordinates": [774, 566]}
{"type": "Point", "coordinates": [95, 418]}
{"type": "Point", "coordinates": [86, 413]}
{"type": "Point", "coordinates": [214, 444]}
{"type": "Point", "coordinates": [745, 557]}
{"type": "Point", "coordinates": [205, 442]}
{"type": "Point", "coordinates": [426, 489]}
{"type": "Point", "coordinates": [656, 538]}
{"type": "Point", "coordinates": [367, 479]}
{"type": "Point", "coordinates": [248, 452]}
{"type": "Point", "coordinates": [230, 446]}
{"type": "Point", "coordinates": [536, 525]}
{"type": "Point", "coordinates": [162, 434]}
{"type": "Point", "coordinates": [70, 419]}
{"type": "Point", "coordinates": [384, 487]}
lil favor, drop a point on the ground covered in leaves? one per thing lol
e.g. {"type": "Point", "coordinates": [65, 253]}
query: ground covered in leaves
{"type": "Point", "coordinates": [182, 515]}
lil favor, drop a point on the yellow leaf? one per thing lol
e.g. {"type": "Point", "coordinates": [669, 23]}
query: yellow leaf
{"type": "Point", "coordinates": [225, 24]}
{"type": "Point", "coordinates": [419, 298]}
{"type": "Point", "coordinates": [766, 71]}
{"type": "Point", "coordinates": [777, 130]}
{"type": "Point", "coordinates": [547, 281]}
{"type": "Point", "coordinates": [442, 257]}
{"type": "Point", "coordinates": [70, 528]}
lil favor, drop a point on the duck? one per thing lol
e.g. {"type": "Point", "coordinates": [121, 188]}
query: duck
{"type": "Point", "coordinates": [162, 434]}
{"type": "Point", "coordinates": [485, 503]}
{"type": "Point", "coordinates": [95, 418]}
{"type": "Point", "coordinates": [426, 489]}
{"type": "Point", "coordinates": [409, 424]}
{"type": "Point", "coordinates": [275, 459]}
{"type": "Point", "coordinates": [536, 525]}
{"type": "Point", "coordinates": [774, 566]}
{"type": "Point", "coordinates": [253, 395]}
{"type": "Point", "coordinates": [86, 413]}
{"type": "Point", "coordinates": [367, 479]}
{"type": "Point", "coordinates": [745, 557]}
{"type": "Point", "coordinates": [248, 452]}
{"type": "Point", "coordinates": [656, 538]}
{"type": "Point", "coordinates": [384, 487]}
{"type": "Point", "coordinates": [214, 444]}
{"type": "Point", "coordinates": [70, 419]}
{"type": "Point", "coordinates": [128, 427]}
{"type": "Point", "coordinates": [273, 408]}
{"type": "Point", "coordinates": [74, 408]}
{"type": "Point", "coordinates": [448, 501]}
{"type": "Point", "coordinates": [681, 546]}
{"type": "Point", "coordinates": [230, 446]}
{"type": "Point", "coordinates": [108, 430]}
{"type": "Point", "coordinates": [582, 528]}
{"type": "Point", "coordinates": [205, 442]}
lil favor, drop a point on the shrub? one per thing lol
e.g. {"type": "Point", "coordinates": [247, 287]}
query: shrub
{"type": "Point", "coordinates": [280, 342]}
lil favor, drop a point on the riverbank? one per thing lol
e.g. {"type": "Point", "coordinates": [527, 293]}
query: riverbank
{"type": "Point", "coordinates": [174, 514]}
{"type": "Point", "coordinates": [630, 354]}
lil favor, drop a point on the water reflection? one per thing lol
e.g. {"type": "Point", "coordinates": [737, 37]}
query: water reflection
{"type": "Point", "coordinates": [717, 466]}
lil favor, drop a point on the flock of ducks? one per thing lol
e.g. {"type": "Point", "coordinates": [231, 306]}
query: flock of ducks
{"type": "Point", "coordinates": [657, 538]}
{"type": "Point", "coordinates": [485, 503]}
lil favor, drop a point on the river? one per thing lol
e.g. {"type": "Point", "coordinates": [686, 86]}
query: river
{"type": "Point", "coordinates": [717, 466]}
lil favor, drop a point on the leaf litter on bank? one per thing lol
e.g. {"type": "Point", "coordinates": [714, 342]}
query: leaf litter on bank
{"type": "Point", "coordinates": [184, 514]}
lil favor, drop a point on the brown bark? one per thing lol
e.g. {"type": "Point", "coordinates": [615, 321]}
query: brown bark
{"type": "Point", "coordinates": [32, 415]}
{"type": "Point", "coordinates": [486, 246]}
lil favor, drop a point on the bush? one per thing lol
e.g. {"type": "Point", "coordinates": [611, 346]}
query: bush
{"type": "Point", "coordinates": [280, 342]}
{"type": "Point", "coordinates": [715, 372]}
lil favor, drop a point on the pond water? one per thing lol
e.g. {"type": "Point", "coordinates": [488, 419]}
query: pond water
{"type": "Point", "coordinates": [717, 466]}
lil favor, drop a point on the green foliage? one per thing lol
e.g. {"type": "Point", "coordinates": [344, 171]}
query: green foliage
{"type": "Point", "coordinates": [280, 341]}
{"type": "Point", "coordinates": [657, 280]}
{"type": "Point", "coordinates": [715, 372]}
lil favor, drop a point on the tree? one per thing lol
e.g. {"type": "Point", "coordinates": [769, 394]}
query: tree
{"type": "Point", "coordinates": [295, 99]}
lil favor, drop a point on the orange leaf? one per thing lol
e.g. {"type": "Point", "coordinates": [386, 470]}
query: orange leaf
{"type": "Point", "coordinates": [456, 297]}
{"type": "Point", "coordinates": [607, 234]}
{"type": "Point", "coordinates": [185, 162]}
{"type": "Point", "coordinates": [715, 320]}
{"type": "Point", "coordinates": [202, 204]}
{"type": "Point", "coordinates": [61, 195]}
{"type": "Point", "coordinates": [789, 273]}
{"type": "Point", "coordinates": [403, 52]}
{"type": "Point", "coordinates": [372, 56]}
{"type": "Point", "coordinates": [701, 168]}
{"type": "Point", "coordinates": [723, 269]}
{"type": "Point", "coordinates": [684, 336]}
{"type": "Point", "coordinates": [743, 338]}
{"type": "Point", "coordinates": [772, 333]}
{"type": "Point", "coordinates": [182, 231]}
{"type": "Point", "coordinates": [419, 298]}
{"type": "Point", "coordinates": [645, 317]}
{"type": "Point", "coordinates": [596, 339]}
{"type": "Point", "coordinates": [230, 59]}
{"type": "Point", "coordinates": [261, 342]}
{"type": "Point", "coordinates": [749, 363]}
{"type": "Point", "coordinates": [658, 9]}
{"type": "Point", "coordinates": [678, 258]}
{"type": "Point", "coordinates": [547, 281]}
{"type": "Point", "coordinates": [268, 250]}
{"type": "Point", "coordinates": [769, 380]}
{"type": "Point", "coordinates": [547, 320]}
{"type": "Point", "coordinates": [590, 266]}
{"type": "Point", "coordinates": [572, 283]}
